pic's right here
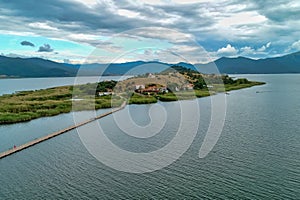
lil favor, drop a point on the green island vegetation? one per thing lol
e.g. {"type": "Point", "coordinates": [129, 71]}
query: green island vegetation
{"type": "Point", "coordinates": [175, 83]}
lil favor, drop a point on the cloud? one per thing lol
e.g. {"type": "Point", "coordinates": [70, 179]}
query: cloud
{"type": "Point", "coordinates": [279, 11]}
{"type": "Point", "coordinates": [227, 51]}
{"type": "Point", "coordinates": [14, 55]}
{"type": "Point", "coordinates": [247, 50]}
{"type": "Point", "coordinates": [249, 24]}
{"type": "Point", "coordinates": [170, 35]}
{"type": "Point", "coordinates": [260, 52]}
{"type": "Point", "coordinates": [296, 45]}
{"type": "Point", "coordinates": [264, 47]}
{"type": "Point", "coordinates": [45, 48]}
{"type": "Point", "coordinates": [27, 43]}
{"type": "Point", "coordinates": [49, 19]}
{"type": "Point", "coordinates": [42, 25]}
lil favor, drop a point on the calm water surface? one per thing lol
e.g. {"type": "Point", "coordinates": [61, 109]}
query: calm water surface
{"type": "Point", "coordinates": [8, 86]}
{"type": "Point", "coordinates": [257, 156]}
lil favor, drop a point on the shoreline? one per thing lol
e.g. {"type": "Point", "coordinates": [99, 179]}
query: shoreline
{"type": "Point", "coordinates": [19, 77]}
{"type": "Point", "coordinates": [64, 104]}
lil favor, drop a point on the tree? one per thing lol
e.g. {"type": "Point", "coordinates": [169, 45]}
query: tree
{"type": "Point", "coordinates": [227, 80]}
{"type": "Point", "coordinates": [242, 81]}
{"type": "Point", "coordinates": [200, 83]}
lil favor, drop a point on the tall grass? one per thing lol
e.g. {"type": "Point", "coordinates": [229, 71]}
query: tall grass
{"type": "Point", "coordinates": [28, 105]}
{"type": "Point", "coordinates": [141, 99]}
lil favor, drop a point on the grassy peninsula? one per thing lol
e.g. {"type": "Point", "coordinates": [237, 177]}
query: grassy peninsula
{"type": "Point", "coordinates": [176, 83]}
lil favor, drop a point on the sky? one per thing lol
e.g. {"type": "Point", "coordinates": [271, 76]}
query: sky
{"type": "Point", "coordinates": [105, 31]}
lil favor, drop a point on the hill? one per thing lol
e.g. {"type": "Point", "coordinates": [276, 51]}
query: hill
{"type": "Point", "coordinates": [37, 67]}
{"type": "Point", "coordinates": [33, 67]}
{"type": "Point", "coordinates": [130, 68]}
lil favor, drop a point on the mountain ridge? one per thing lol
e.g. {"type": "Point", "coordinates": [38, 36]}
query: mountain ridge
{"type": "Point", "coordinates": [38, 67]}
{"type": "Point", "coordinates": [289, 63]}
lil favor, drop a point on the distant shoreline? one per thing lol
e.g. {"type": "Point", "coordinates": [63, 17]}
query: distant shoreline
{"type": "Point", "coordinates": [16, 77]}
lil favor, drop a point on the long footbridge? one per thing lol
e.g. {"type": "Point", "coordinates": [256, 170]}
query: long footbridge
{"type": "Point", "coordinates": [55, 134]}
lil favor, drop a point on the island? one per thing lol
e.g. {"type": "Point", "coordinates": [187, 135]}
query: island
{"type": "Point", "coordinates": [173, 84]}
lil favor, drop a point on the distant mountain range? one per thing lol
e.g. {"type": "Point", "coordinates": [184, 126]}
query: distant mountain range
{"type": "Point", "coordinates": [37, 67]}
{"type": "Point", "coordinates": [33, 67]}
{"type": "Point", "coordinates": [286, 64]}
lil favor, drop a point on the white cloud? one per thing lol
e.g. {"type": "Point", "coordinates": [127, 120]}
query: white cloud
{"type": "Point", "coordinates": [264, 47]}
{"type": "Point", "coordinates": [81, 37]}
{"type": "Point", "coordinates": [190, 1]}
{"type": "Point", "coordinates": [89, 3]}
{"type": "Point", "coordinates": [151, 2]}
{"type": "Point", "coordinates": [170, 35]}
{"type": "Point", "coordinates": [42, 25]}
{"type": "Point", "coordinates": [227, 51]}
{"type": "Point", "coordinates": [250, 17]}
{"type": "Point", "coordinates": [247, 50]}
{"type": "Point", "coordinates": [255, 53]}
{"type": "Point", "coordinates": [296, 45]}
{"type": "Point", "coordinates": [16, 33]}
{"type": "Point", "coordinates": [128, 13]}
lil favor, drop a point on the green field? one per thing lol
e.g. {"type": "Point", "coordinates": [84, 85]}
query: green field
{"type": "Point", "coordinates": [25, 106]}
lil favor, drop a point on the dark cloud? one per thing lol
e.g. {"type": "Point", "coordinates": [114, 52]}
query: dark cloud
{"type": "Point", "coordinates": [279, 11]}
{"type": "Point", "coordinates": [69, 20]}
{"type": "Point", "coordinates": [27, 43]}
{"type": "Point", "coordinates": [62, 19]}
{"type": "Point", "coordinates": [75, 17]}
{"type": "Point", "coordinates": [45, 48]}
{"type": "Point", "coordinates": [100, 17]}
{"type": "Point", "coordinates": [179, 16]}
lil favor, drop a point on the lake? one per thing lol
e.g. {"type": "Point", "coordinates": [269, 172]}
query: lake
{"type": "Point", "coordinates": [8, 86]}
{"type": "Point", "coordinates": [256, 157]}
